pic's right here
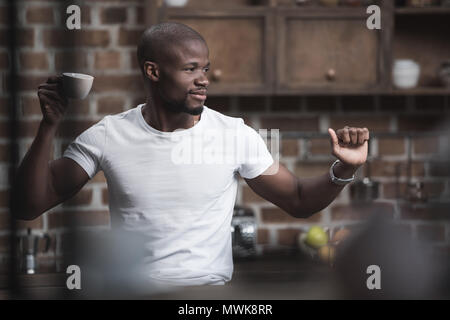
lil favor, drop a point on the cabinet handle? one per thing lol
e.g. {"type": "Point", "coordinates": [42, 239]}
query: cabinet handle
{"type": "Point", "coordinates": [217, 75]}
{"type": "Point", "coordinates": [331, 74]}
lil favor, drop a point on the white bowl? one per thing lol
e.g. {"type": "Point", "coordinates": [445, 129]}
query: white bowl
{"type": "Point", "coordinates": [405, 73]}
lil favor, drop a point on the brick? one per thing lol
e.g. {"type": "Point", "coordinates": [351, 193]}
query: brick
{"type": "Point", "coordinates": [426, 145]}
{"type": "Point", "coordinates": [63, 38]}
{"type": "Point", "coordinates": [78, 107]}
{"type": "Point", "coordinates": [5, 103]}
{"type": "Point", "coordinates": [105, 196]}
{"type": "Point", "coordinates": [358, 104]}
{"type": "Point", "coordinates": [30, 105]}
{"type": "Point", "coordinates": [277, 215]}
{"type": "Point", "coordinates": [394, 190]}
{"type": "Point", "coordinates": [309, 169]}
{"type": "Point", "coordinates": [289, 147]}
{"type": "Point", "coordinates": [361, 211]}
{"type": "Point", "coordinates": [40, 15]}
{"type": "Point", "coordinates": [78, 219]}
{"type": "Point", "coordinates": [21, 224]}
{"type": "Point", "coordinates": [220, 104]}
{"type": "Point", "coordinates": [290, 123]}
{"type": "Point", "coordinates": [400, 190]}
{"type": "Point", "coordinates": [140, 15]}
{"type": "Point", "coordinates": [28, 129]}
{"type": "Point", "coordinates": [4, 130]}
{"type": "Point", "coordinates": [391, 146]}
{"type": "Point", "coordinates": [107, 60]}
{"type": "Point", "coordinates": [82, 198]}
{"type": "Point", "coordinates": [321, 103]}
{"type": "Point", "coordinates": [288, 237]}
{"type": "Point", "coordinates": [373, 123]}
{"type": "Point", "coordinates": [24, 38]}
{"type": "Point", "coordinates": [73, 128]}
{"type": "Point", "coordinates": [30, 82]}
{"type": "Point", "coordinates": [262, 236]}
{"type": "Point", "coordinates": [70, 60]}
{"type": "Point", "coordinates": [126, 83]}
{"type": "Point", "coordinates": [393, 103]}
{"type": "Point", "coordinates": [430, 103]}
{"type": "Point", "coordinates": [4, 246]}
{"type": "Point", "coordinates": [134, 63]}
{"type": "Point", "coordinates": [420, 122]}
{"type": "Point", "coordinates": [4, 152]}
{"type": "Point", "coordinates": [4, 60]}
{"type": "Point", "coordinates": [287, 103]}
{"type": "Point", "coordinates": [249, 196]}
{"type": "Point", "coordinates": [431, 233]}
{"type": "Point", "coordinates": [381, 168]}
{"type": "Point", "coordinates": [110, 105]}
{"type": "Point", "coordinates": [423, 212]}
{"type": "Point", "coordinates": [129, 37]}
{"type": "Point", "coordinates": [111, 15]}
{"type": "Point", "coordinates": [99, 178]}
{"type": "Point", "coordinates": [4, 198]}
{"type": "Point", "coordinates": [4, 15]}
{"type": "Point", "coordinates": [33, 61]}
{"type": "Point", "coordinates": [439, 169]}
{"type": "Point", "coordinates": [319, 146]}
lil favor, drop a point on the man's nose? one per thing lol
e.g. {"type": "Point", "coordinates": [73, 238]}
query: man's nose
{"type": "Point", "coordinates": [202, 80]}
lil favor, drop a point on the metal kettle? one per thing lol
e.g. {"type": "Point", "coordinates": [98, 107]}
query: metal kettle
{"type": "Point", "coordinates": [28, 249]}
{"type": "Point", "coordinates": [243, 232]}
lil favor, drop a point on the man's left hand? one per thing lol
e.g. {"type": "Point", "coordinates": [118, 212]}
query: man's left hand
{"type": "Point", "coordinates": [350, 145]}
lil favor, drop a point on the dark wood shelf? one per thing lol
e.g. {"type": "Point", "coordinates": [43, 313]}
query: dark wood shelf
{"type": "Point", "coordinates": [420, 91]}
{"type": "Point", "coordinates": [422, 10]}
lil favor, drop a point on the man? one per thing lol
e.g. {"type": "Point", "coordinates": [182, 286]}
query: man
{"type": "Point", "coordinates": [183, 208]}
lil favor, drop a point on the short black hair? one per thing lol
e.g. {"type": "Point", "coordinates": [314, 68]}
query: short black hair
{"type": "Point", "coordinates": [155, 42]}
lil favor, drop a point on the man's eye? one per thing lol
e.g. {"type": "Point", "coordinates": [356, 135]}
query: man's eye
{"type": "Point", "coordinates": [206, 69]}
{"type": "Point", "coordinates": [189, 69]}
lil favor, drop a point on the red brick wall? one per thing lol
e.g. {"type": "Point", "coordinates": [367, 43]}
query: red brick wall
{"type": "Point", "coordinates": [106, 48]}
{"type": "Point", "coordinates": [415, 124]}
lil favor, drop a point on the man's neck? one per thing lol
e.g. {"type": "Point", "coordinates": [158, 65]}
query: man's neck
{"type": "Point", "coordinates": [159, 118]}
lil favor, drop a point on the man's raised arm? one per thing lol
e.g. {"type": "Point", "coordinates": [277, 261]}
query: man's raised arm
{"type": "Point", "coordinates": [41, 184]}
{"type": "Point", "coordinates": [303, 197]}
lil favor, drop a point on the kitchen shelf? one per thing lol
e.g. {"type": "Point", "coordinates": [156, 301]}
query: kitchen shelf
{"type": "Point", "coordinates": [423, 10]}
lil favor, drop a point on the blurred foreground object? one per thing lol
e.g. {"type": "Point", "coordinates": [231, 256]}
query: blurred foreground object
{"type": "Point", "coordinates": [112, 265]}
{"type": "Point", "coordinates": [408, 268]}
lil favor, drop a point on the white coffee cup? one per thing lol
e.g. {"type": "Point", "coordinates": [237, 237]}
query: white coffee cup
{"type": "Point", "coordinates": [77, 85]}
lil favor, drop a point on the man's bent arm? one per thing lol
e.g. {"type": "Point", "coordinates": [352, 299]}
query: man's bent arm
{"type": "Point", "coordinates": [303, 197]}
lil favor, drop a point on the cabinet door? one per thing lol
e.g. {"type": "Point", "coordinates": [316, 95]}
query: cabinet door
{"type": "Point", "coordinates": [240, 47]}
{"type": "Point", "coordinates": [326, 52]}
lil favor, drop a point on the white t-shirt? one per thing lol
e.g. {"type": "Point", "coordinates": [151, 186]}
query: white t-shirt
{"type": "Point", "coordinates": [178, 189]}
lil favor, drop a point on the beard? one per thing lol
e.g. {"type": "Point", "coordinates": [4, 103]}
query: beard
{"type": "Point", "coordinates": [180, 106]}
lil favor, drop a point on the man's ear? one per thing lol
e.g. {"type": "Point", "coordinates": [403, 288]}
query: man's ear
{"type": "Point", "coordinates": [151, 70]}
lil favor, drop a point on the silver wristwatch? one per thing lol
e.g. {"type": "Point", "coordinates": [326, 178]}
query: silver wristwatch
{"type": "Point", "coordinates": [337, 180]}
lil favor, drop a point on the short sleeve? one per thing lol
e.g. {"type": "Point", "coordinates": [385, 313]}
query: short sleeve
{"type": "Point", "coordinates": [87, 149]}
{"type": "Point", "coordinates": [256, 158]}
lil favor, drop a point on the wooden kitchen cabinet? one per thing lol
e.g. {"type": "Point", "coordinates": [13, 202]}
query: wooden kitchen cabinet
{"type": "Point", "coordinates": [279, 48]}
{"type": "Point", "coordinates": [240, 45]}
{"type": "Point", "coordinates": [319, 50]}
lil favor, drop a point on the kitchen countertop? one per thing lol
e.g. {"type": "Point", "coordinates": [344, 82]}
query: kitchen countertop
{"type": "Point", "coordinates": [284, 277]}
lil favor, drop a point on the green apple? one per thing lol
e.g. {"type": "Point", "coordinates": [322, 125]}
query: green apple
{"type": "Point", "coordinates": [316, 237]}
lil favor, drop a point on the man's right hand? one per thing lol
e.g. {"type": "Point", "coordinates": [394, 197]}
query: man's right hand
{"type": "Point", "coordinates": [52, 100]}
